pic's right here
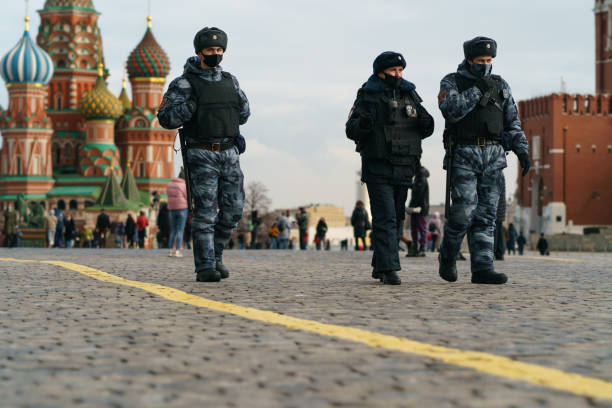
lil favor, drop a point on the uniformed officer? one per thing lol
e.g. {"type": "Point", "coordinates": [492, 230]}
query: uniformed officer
{"type": "Point", "coordinates": [387, 123]}
{"type": "Point", "coordinates": [209, 104]}
{"type": "Point", "coordinates": [481, 123]}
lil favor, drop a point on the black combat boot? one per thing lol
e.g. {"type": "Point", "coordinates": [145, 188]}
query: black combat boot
{"type": "Point", "coordinates": [489, 277]}
{"type": "Point", "coordinates": [421, 252]}
{"type": "Point", "coordinates": [391, 278]}
{"type": "Point", "coordinates": [208, 275]}
{"type": "Point", "coordinates": [377, 275]}
{"type": "Point", "coordinates": [460, 257]}
{"type": "Point", "coordinates": [412, 251]}
{"type": "Point", "coordinates": [448, 269]}
{"type": "Point", "coordinates": [222, 269]}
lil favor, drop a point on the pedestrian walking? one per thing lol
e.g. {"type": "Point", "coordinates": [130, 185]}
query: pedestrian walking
{"type": "Point", "coordinates": [273, 235]}
{"type": "Point", "coordinates": [419, 209]}
{"type": "Point", "coordinates": [542, 245]}
{"type": "Point", "coordinates": [163, 226]}
{"type": "Point", "coordinates": [387, 123]}
{"type": "Point", "coordinates": [512, 238]}
{"type": "Point", "coordinates": [321, 231]}
{"type": "Point", "coordinates": [142, 222]}
{"type": "Point", "coordinates": [435, 229]}
{"type": "Point", "coordinates": [521, 241]}
{"type": "Point", "coordinates": [302, 221]}
{"type": "Point", "coordinates": [176, 191]}
{"type": "Point", "coordinates": [241, 241]}
{"type": "Point", "coordinates": [59, 228]}
{"type": "Point", "coordinates": [284, 230]}
{"type": "Point", "coordinates": [69, 231]}
{"type": "Point", "coordinates": [210, 106]}
{"type": "Point", "coordinates": [11, 221]}
{"type": "Point", "coordinates": [481, 124]}
{"type": "Point", "coordinates": [102, 227]}
{"type": "Point", "coordinates": [130, 231]}
{"type": "Point", "coordinates": [87, 236]}
{"type": "Point", "coordinates": [50, 225]}
{"type": "Point", "coordinates": [361, 224]}
{"type": "Point", "coordinates": [255, 222]}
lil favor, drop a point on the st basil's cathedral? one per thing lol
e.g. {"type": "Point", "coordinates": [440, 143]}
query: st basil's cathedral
{"type": "Point", "coordinates": [68, 141]}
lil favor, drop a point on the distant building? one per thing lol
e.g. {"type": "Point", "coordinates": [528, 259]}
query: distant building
{"type": "Point", "coordinates": [570, 139]}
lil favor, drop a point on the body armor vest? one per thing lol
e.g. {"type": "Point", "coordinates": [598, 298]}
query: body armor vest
{"type": "Point", "coordinates": [217, 115]}
{"type": "Point", "coordinates": [395, 134]}
{"type": "Point", "coordinates": [483, 121]}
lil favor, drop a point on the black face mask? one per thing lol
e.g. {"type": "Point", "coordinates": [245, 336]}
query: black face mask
{"type": "Point", "coordinates": [212, 60]}
{"type": "Point", "coordinates": [392, 81]}
{"type": "Point", "coordinates": [481, 70]}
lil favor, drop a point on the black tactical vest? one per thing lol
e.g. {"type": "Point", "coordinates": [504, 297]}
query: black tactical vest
{"type": "Point", "coordinates": [483, 121]}
{"type": "Point", "coordinates": [395, 135]}
{"type": "Point", "coordinates": [217, 115]}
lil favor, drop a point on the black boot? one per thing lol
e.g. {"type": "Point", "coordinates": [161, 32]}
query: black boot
{"type": "Point", "coordinates": [489, 277]}
{"type": "Point", "coordinates": [222, 269]}
{"type": "Point", "coordinates": [448, 269]}
{"type": "Point", "coordinates": [460, 257]}
{"type": "Point", "coordinates": [377, 275]}
{"type": "Point", "coordinates": [421, 252]}
{"type": "Point", "coordinates": [412, 251]}
{"type": "Point", "coordinates": [208, 275]}
{"type": "Point", "coordinates": [391, 278]}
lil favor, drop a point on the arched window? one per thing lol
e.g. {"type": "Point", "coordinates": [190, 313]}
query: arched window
{"type": "Point", "coordinates": [141, 169]}
{"type": "Point", "coordinates": [18, 165]}
{"type": "Point", "coordinates": [564, 105]}
{"type": "Point", "coordinates": [55, 149]}
{"type": "Point", "coordinates": [58, 102]}
{"type": "Point", "coordinates": [73, 205]}
{"type": "Point", "coordinates": [61, 63]}
{"type": "Point", "coordinates": [68, 151]}
{"type": "Point", "coordinates": [576, 104]}
{"type": "Point", "coordinates": [587, 105]}
{"type": "Point", "coordinates": [61, 204]}
{"type": "Point", "coordinates": [599, 104]}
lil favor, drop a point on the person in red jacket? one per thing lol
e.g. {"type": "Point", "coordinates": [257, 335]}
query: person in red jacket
{"type": "Point", "coordinates": [141, 225]}
{"type": "Point", "coordinates": [177, 206]}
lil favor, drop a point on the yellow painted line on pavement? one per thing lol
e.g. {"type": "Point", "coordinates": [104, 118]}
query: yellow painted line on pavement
{"type": "Point", "coordinates": [486, 363]}
{"type": "Point", "coordinates": [548, 258]}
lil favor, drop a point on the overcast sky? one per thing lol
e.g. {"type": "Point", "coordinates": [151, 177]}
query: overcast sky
{"type": "Point", "coordinates": [301, 62]}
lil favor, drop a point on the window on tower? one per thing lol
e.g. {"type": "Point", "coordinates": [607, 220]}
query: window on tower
{"type": "Point", "coordinates": [18, 165]}
{"type": "Point", "coordinates": [61, 63]}
{"type": "Point", "coordinates": [58, 102]}
{"type": "Point", "coordinates": [141, 169]}
{"type": "Point", "coordinates": [68, 151]}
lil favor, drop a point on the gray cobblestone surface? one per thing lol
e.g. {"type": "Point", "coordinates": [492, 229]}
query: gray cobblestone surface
{"type": "Point", "coordinates": [69, 340]}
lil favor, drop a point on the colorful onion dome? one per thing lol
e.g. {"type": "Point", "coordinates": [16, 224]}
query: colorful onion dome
{"type": "Point", "coordinates": [26, 62]}
{"type": "Point", "coordinates": [81, 4]}
{"type": "Point", "coordinates": [124, 98]}
{"type": "Point", "coordinates": [100, 103]}
{"type": "Point", "coordinates": [148, 59]}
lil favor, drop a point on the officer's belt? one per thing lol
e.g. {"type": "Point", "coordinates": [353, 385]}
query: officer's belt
{"type": "Point", "coordinates": [481, 141]}
{"type": "Point", "coordinates": [215, 147]}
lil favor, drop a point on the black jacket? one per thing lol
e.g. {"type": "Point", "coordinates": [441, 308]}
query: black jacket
{"type": "Point", "coordinates": [420, 192]}
{"type": "Point", "coordinates": [381, 170]}
{"type": "Point", "coordinates": [360, 221]}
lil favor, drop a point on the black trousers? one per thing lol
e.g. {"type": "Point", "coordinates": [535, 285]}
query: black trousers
{"type": "Point", "coordinates": [499, 241]}
{"type": "Point", "coordinates": [387, 203]}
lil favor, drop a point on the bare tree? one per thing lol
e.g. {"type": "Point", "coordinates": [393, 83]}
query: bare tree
{"type": "Point", "coordinates": [256, 198]}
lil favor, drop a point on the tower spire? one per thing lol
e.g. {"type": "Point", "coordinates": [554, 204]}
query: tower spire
{"type": "Point", "coordinates": [149, 18]}
{"type": "Point", "coordinates": [27, 17]}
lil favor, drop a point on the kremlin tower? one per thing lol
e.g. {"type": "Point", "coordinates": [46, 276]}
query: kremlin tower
{"type": "Point", "coordinates": [144, 144]}
{"type": "Point", "coordinates": [25, 158]}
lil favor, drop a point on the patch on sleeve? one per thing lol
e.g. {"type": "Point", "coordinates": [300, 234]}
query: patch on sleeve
{"type": "Point", "coordinates": [441, 96]}
{"type": "Point", "coordinates": [163, 103]}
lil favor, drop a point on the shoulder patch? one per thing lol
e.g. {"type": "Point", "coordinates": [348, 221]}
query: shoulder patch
{"type": "Point", "coordinates": [441, 96]}
{"type": "Point", "coordinates": [163, 103]}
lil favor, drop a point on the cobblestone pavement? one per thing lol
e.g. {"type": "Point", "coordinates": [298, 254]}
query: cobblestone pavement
{"type": "Point", "coordinates": [69, 340]}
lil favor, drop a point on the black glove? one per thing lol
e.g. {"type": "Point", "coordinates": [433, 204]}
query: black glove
{"type": "Point", "coordinates": [365, 121]}
{"type": "Point", "coordinates": [524, 160]}
{"type": "Point", "coordinates": [486, 84]}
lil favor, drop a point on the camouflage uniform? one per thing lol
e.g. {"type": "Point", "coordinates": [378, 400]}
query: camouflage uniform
{"type": "Point", "coordinates": [216, 177]}
{"type": "Point", "coordinates": [476, 173]}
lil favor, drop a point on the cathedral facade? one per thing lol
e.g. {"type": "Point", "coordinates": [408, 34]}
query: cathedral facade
{"type": "Point", "coordinates": [64, 133]}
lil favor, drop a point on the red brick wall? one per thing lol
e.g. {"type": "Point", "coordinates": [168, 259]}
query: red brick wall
{"type": "Point", "coordinates": [573, 176]}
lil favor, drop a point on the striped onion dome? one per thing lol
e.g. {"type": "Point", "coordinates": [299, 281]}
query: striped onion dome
{"type": "Point", "coordinates": [148, 59]}
{"type": "Point", "coordinates": [26, 62]}
{"type": "Point", "coordinates": [63, 4]}
{"type": "Point", "coordinates": [100, 103]}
